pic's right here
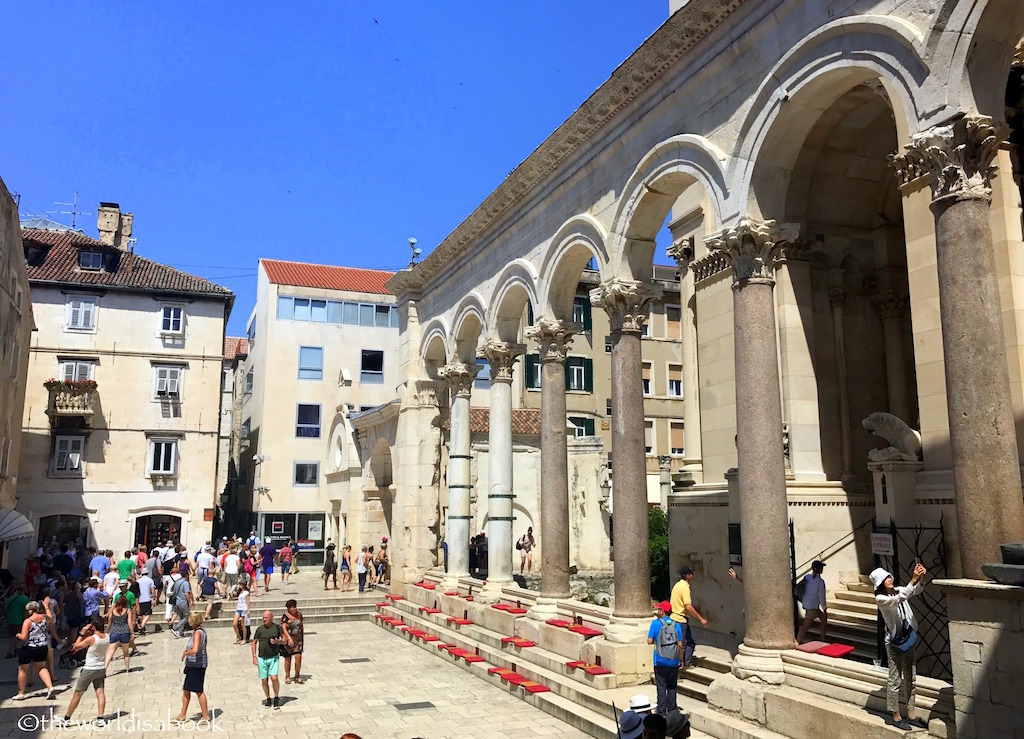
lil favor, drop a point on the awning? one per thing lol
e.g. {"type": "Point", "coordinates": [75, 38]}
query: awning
{"type": "Point", "coordinates": [14, 525]}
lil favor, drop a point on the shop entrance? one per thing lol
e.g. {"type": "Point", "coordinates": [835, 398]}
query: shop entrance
{"type": "Point", "coordinates": [308, 529]}
{"type": "Point", "coordinates": [157, 530]}
{"type": "Point", "coordinates": [64, 529]}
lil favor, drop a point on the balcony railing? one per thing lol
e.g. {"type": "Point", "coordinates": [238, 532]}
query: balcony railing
{"type": "Point", "coordinates": [71, 399]}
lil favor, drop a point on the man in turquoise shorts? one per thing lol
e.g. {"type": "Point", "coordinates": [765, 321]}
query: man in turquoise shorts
{"type": "Point", "coordinates": [269, 637]}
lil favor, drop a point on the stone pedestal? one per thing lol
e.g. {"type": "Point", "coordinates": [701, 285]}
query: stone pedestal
{"type": "Point", "coordinates": [627, 304]}
{"type": "Point", "coordinates": [986, 644]}
{"type": "Point", "coordinates": [986, 472]}
{"type": "Point", "coordinates": [553, 339]}
{"type": "Point", "coordinates": [751, 247]}
{"type": "Point", "coordinates": [460, 382]}
{"type": "Point", "coordinates": [894, 491]}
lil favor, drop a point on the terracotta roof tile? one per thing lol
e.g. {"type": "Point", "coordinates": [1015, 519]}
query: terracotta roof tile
{"type": "Point", "coordinates": [525, 421]}
{"type": "Point", "coordinates": [53, 256]}
{"type": "Point", "coordinates": [235, 345]}
{"type": "Point", "coordinates": [327, 277]}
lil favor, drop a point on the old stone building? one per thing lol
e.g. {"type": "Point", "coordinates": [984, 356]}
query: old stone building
{"type": "Point", "coordinates": [842, 196]}
{"type": "Point", "coordinates": [120, 429]}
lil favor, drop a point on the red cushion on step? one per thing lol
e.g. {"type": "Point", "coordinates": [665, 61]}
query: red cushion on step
{"type": "Point", "coordinates": [516, 611]}
{"type": "Point", "coordinates": [469, 598]}
{"type": "Point", "coordinates": [534, 687]}
{"type": "Point", "coordinates": [392, 596]}
{"type": "Point", "coordinates": [473, 658]}
{"type": "Point", "coordinates": [449, 619]}
{"type": "Point", "coordinates": [458, 652]}
{"type": "Point", "coordinates": [597, 670]}
{"type": "Point", "coordinates": [508, 639]}
{"type": "Point", "coordinates": [428, 586]}
{"type": "Point", "coordinates": [515, 678]}
{"type": "Point", "coordinates": [442, 645]}
{"type": "Point", "coordinates": [463, 621]}
{"type": "Point", "coordinates": [451, 592]}
{"type": "Point", "coordinates": [812, 647]}
{"type": "Point", "coordinates": [497, 670]}
{"type": "Point", "coordinates": [558, 622]}
{"type": "Point", "coordinates": [576, 663]}
{"type": "Point", "coordinates": [524, 643]}
{"type": "Point", "coordinates": [430, 638]}
{"type": "Point", "coordinates": [385, 604]}
{"type": "Point", "coordinates": [585, 631]}
{"type": "Point", "coordinates": [432, 610]}
{"type": "Point", "coordinates": [836, 650]}
{"type": "Point", "coordinates": [501, 606]}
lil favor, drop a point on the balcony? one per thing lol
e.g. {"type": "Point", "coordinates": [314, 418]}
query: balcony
{"type": "Point", "coordinates": [71, 404]}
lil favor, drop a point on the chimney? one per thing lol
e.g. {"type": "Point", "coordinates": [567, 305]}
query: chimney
{"type": "Point", "coordinates": [114, 226]}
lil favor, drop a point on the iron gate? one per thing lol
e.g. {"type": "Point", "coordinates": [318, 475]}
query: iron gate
{"type": "Point", "coordinates": [927, 545]}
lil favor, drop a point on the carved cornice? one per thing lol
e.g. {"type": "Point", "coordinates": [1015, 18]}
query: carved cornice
{"type": "Point", "coordinates": [682, 252]}
{"type": "Point", "coordinates": [800, 250]}
{"type": "Point", "coordinates": [501, 355]}
{"type": "Point", "coordinates": [958, 156]}
{"type": "Point", "coordinates": [459, 377]}
{"type": "Point", "coordinates": [645, 66]}
{"type": "Point", "coordinates": [890, 304]}
{"type": "Point", "coordinates": [751, 247]}
{"type": "Point", "coordinates": [709, 265]}
{"type": "Point", "coordinates": [627, 303]}
{"type": "Point", "coordinates": [553, 338]}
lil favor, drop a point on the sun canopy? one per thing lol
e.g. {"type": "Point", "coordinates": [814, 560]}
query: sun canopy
{"type": "Point", "coordinates": [14, 525]}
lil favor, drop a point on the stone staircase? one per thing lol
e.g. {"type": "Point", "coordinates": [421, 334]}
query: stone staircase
{"type": "Point", "coordinates": [853, 620]}
{"type": "Point", "coordinates": [314, 610]}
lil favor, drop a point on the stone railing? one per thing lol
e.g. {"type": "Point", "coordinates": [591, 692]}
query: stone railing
{"type": "Point", "coordinates": [71, 402]}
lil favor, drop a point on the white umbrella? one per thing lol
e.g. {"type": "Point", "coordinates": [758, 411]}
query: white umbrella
{"type": "Point", "coordinates": [14, 525]}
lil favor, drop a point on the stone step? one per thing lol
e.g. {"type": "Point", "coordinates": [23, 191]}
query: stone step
{"type": "Point", "coordinates": [861, 587]}
{"type": "Point", "coordinates": [228, 610]}
{"type": "Point", "coordinates": [844, 615]}
{"type": "Point", "coordinates": [861, 605]}
{"type": "Point", "coordinates": [226, 620]}
{"type": "Point", "coordinates": [278, 603]}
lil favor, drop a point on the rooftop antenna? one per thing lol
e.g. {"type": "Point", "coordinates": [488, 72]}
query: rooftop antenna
{"type": "Point", "coordinates": [416, 251]}
{"type": "Point", "coordinates": [74, 212]}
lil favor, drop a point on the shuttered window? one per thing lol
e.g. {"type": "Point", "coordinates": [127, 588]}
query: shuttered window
{"type": "Point", "coordinates": [677, 438]}
{"type": "Point", "coordinates": [81, 313]}
{"type": "Point", "coordinates": [647, 378]}
{"type": "Point", "coordinates": [167, 382]}
{"type": "Point", "coordinates": [649, 437]}
{"type": "Point", "coordinates": [675, 380]}
{"type": "Point", "coordinates": [673, 319]}
{"type": "Point", "coordinates": [67, 453]}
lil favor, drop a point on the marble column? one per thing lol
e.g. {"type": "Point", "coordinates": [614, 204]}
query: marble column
{"type": "Point", "coordinates": [627, 304]}
{"type": "Point", "coordinates": [683, 252]}
{"type": "Point", "coordinates": [986, 471]}
{"type": "Point", "coordinates": [751, 247]}
{"type": "Point", "coordinates": [460, 378]}
{"type": "Point", "coordinates": [891, 305]}
{"type": "Point", "coordinates": [501, 356]}
{"type": "Point", "coordinates": [836, 298]}
{"type": "Point", "coordinates": [553, 337]}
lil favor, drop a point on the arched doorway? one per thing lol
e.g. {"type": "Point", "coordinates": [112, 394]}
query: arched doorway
{"type": "Point", "coordinates": [157, 530]}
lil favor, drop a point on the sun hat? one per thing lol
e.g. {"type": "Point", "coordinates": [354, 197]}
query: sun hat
{"type": "Point", "coordinates": [640, 703]}
{"type": "Point", "coordinates": [631, 725]}
{"type": "Point", "coordinates": [267, 540]}
{"type": "Point", "coordinates": [122, 581]}
{"type": "Point", "coordinates": [676, 723]}
{"type": "Point", "coordinates": [665, 606]}
{"type": "Point", "coordinates": [878, 576]}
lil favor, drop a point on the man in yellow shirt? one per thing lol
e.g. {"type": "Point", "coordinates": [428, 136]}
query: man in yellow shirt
{"type": "Point", "coordinates": [682, 606]}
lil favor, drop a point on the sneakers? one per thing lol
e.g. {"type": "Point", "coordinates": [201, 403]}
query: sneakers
{"type": "Point", "coordinates": [277, 702]}
{"type": "Point", "coordinates": [901, 724]}
{"type": "Point", "coordinates": [267, 702]}
{"type": "Point", "coordinates": [918, 723]}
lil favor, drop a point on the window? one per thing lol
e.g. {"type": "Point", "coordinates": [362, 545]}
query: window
{"type": "Point", "coordinates": [285, 309]}
{"type": "Point", "coordinates": [677, 438]}
{"type": "Point", "coordinates": [172, 320]}
{"type": "Point", "coordinates": [81, 313]}
{"type": "Point", "coordinates": [675, 381]}
{"type": "Point", "coordinates": [306, 474]}
{"type": "Point", "coordinates": [302, 309]}
{"type": "Point", "coordinates": [337, 312]}
{"type": "Point", "coordinates": [91, 260]}
{"type": "Point", "coordinates": [247, 385]}
{"type": "Point", "coordinates": [608, 407]}
{"type": "Point", "coordinates": [371, 368]}
{"type": "Point", "coordinates": [647, 324]}
{"type": "Point", "coordinates": [649, 437]}
{"type": "Point", "coordinates": [483, 377]}
{"type": "Point", "coordinates": [673, 319]}
{"type": "Point", "coordinates": [311, 363]}
{"type": "Point", "coordinates": [307, 421]}
{"type": "Point", "coordinates": [250, 332]}
{"type": "Point", "coordinates": [647, 378]}
{"type": "Point", "coordinates": [364, 408]}
{"type": "Point", "coordinates": [246, 428]}
{"type": "Point", "coordinates": [318, 311]}
{"type": "Point", "coordinates": [382, 315]}
{"type": "Point", "coordinates": [365, 315]}
{"type": "Point", "coordinates": [76, 369]}
{"type": "Point", "coordinates": [533, 371]}
{"type": "Point", "coordinates": [67, 454]}
{"type": "Point", "coordinates": [529, 313]}
{"type": "Point", "coordinates": [167, 382]}
{"type": "Point", "coordinates": [581, 312]}
{"type": "Point", "coordinates": [608, 345]}
{"type": "Point", "coordinates": [579, 374]}
{"type": "Point", "coordinates": [163, 457]}
{"type": "Point", "coordinates": [582, 426]}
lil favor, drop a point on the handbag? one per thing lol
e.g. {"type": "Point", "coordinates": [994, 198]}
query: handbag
{"type": "Point", "coordinates": [905, 639]}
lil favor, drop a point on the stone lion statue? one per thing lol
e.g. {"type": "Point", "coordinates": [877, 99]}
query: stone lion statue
{"type": "Point", "coordinates": [904, 442]}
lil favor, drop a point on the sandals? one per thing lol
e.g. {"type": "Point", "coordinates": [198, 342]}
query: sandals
{"type": "Point", "coordinates": [287, 681]}
{"type": "Point", "coordinates": [299, 680]}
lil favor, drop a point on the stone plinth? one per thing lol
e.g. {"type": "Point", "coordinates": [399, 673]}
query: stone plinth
{"type": "Point", "coordinates": [986, 642]}
{"type": "Point", "coordinates": [894, 491]}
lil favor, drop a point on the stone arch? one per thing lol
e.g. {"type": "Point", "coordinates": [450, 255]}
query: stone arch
{"type": "Point", "coordinates": [381, 469]}
{"type": "Point", "coordinates": [515, 286]}
{"type": "Point", "coordinates": [469, 323]}
{"type": "Point", "coordinates": [876, 50]}
{"type": "Point", "coordinates": [576, 242]}
{"type": "Point", "coordinates": [661, 176]}
{"type": "Point", "coordinates": [434, 347]}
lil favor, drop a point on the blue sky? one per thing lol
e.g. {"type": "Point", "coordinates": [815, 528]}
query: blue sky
{"type": "Point", "coordinates": [324, 132]}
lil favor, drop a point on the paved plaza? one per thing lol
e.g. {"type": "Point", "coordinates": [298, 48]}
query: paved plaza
{"type": "Point", "coordinates": [370, 698]}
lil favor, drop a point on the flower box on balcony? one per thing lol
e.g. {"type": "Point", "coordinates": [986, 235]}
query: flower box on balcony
{"type": "Point", "coordinates": [71, 398]}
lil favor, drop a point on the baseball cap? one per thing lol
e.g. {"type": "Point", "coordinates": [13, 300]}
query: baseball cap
{"type": "Point", "coordinates": [665, 606]}
{"type": "Point", "coordinates": [687, 570]}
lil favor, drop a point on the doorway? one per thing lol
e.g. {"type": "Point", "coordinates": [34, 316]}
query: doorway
{"type": "Point", "coordinates": [157, 530]}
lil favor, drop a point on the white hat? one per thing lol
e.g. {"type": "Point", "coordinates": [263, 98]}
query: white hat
{"type": "Point", "coordinates": [267, 540]}
{"type": "Point", "coordinates": [640, 704]}
{"type": "Point", "coordinates": [878, 576]}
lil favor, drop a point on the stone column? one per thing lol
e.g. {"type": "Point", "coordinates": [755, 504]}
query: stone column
{"type": "Point", "coordinates": [836, 297]}
{"type": "Point", "coordinates": [627, 303]}
{"type": "Point", "coordinates": [553, 339]}
{"type": "Point", "coordinates": [891, 305]}
{"type": "Point", "coordinates": [693, 464]}
{"type": "Point", "coordinates": [664, 480]}
{"type": "Point", "coordinates": [751, 247]}
{"type": "Point", "coordinates": [501, 356]}
{"type": "Point", "coordinates": [986, 471]}
{"type": "Point", "coordinates": [460, 382]}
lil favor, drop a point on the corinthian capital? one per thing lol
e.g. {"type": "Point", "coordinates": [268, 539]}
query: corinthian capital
{"type": "Point", "coordinates": [682, 252]}
{"type": "Point", "coordinates": [958, 156]}
{"type": "Point", "coordinates": [501, 355]}
{"type": "Point", "coordinates": [752, 247]}
{"type": "Point", "coordinates": [459, 377]}
{"type": "Point", "coordinates": [627, 303]}
{"type": "Point", "coordinates": [553, 338]}
{"type": "Point", "coordinates": [890, 304]}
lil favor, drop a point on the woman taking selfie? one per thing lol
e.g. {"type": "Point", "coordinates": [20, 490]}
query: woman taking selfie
{"type": "Point", "coordinates": [900, 641]}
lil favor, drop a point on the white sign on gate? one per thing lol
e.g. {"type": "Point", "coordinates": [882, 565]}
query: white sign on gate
{"type": "Point", "coordinates": [881, 544]}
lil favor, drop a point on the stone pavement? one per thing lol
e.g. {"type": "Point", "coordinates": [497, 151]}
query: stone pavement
{"type": "Point", "coordinates": [369, 698]}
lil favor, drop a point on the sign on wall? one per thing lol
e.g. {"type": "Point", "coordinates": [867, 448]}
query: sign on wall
{"type": "Point", "coordinates": [881, 544]}
{"type": "Point", "coordinates": [315, 530]}
{"type": "Point", "coordinates": [277, 527]}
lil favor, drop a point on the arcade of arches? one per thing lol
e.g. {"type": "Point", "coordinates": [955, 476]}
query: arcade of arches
{"type": "Point", "coordinates": [842, 199]}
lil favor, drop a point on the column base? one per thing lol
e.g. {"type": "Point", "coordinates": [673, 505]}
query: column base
{"type": "Point", "coordinates": [759, 665]}
{"type": "Point", "coordinates": [491, 591]}
{"type": "Point", "coordinates": [627, 630]}
{"type": "Point", "coordinates": [451, 581]}
{"type": "Point", "coordinates": [545, 608]}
